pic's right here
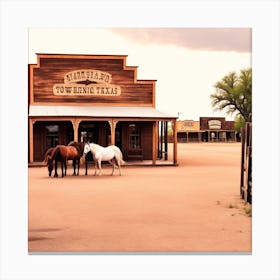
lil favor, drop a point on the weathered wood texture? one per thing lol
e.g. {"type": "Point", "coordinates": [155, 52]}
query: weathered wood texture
{"type": "Point", "coordinates": [145, 142]}
{"type": "Point", "coordinates": [51, 70]}
{"type": "Point", "coordinates": [246, 163]}
{"type": "Point", "coordinates": [65, 135]}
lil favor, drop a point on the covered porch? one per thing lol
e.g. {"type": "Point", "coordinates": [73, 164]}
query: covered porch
{"type": "Point", "coordinates": [140, 132]}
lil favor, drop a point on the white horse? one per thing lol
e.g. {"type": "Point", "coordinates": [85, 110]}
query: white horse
{"type": "Point", "coordinates": [111, 153]}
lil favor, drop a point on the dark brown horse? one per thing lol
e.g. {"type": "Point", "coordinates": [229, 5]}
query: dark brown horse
{"type": "Point", "coordinates": [88, 157]}
{"type": "Point", "coordinates": [46, 159]}
{"type": "Point", "coordinates": [61, 154]}
{"type": "Point", "coordinates": [80, 149]}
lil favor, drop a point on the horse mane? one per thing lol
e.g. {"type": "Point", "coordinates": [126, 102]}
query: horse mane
{"type": "Point", "coordinates": [78, 145]}
{"type": "Point", "coordinates": [94, 145]}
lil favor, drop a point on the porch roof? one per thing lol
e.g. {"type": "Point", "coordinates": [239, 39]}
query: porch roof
{"type": "Point", "coordinates": [97, 111]}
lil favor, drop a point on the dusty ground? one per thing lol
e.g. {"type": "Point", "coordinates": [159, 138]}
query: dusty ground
{"type": "Point", "coordinates": [192, 207]}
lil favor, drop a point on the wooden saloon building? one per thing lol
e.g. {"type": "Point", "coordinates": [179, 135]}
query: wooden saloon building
{"type": "Point", "coordinates": [207, 129]}
{"type": "Point", "coordinates": [96, 98]}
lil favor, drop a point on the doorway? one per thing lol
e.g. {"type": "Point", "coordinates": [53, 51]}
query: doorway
{"type": "Point", "coordinates": [95, 131]}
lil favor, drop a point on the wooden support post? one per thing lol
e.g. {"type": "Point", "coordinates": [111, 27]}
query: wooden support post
{"type": "Point", "coordinates": [155, 143]}
{"type": "Point", "coordinates": [75, 123]}
{"type": "Point", "coordinates": [113, 124]}
{"type": "Point", "coordinates": [160, 146]}
{"type": "Point", "coordinates": [166, 140]}
{"type": "Point", "coordinates": [175, 142]}
{"type": "Point", "coordinates": [242, 162]}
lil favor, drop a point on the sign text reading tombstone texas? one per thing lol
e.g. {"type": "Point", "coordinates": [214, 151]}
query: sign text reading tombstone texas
{"type": "Point", "coordinates": [87, 82]}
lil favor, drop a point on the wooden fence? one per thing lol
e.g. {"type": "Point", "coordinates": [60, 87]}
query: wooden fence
{"type": "Point", "coordinates": [246, 163]}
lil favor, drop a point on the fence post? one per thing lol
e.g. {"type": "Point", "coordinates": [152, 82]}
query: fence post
{"type": "Point", "coordinates": [242, 162]}
{"type": "Point", "coordinates": [246, 163]}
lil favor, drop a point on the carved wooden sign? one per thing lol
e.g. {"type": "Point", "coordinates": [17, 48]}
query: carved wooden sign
{"type": "Point", "coordinates": [87, 82]}
{"type": "Point", "coordinates": [214, 124]}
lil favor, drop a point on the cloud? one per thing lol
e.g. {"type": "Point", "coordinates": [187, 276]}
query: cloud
{"type": "Point", "coordinates": [213, 39]}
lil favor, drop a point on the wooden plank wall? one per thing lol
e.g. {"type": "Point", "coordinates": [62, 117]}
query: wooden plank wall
{"type": "Point", "coordinates": [40, 143]}
{"type": "Point", "coordinates": [146, 139]}
{"type": "Point", "coordinates": [51, 71]}
{"type": "Point", "coordinates": [65, 135]}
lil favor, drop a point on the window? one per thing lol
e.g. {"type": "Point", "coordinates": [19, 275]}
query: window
{"type": "Point", "coordinates": [51, 135]}
{"type": "Point", "coordinates": [134, 137]}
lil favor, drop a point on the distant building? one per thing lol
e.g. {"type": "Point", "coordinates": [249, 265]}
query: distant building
{"type": "Point", "coordinates": [217, 130]}
{"type": "Point", "coordinates": [188, 131]}
{"type": "Point", "coordinates": [207, 129]}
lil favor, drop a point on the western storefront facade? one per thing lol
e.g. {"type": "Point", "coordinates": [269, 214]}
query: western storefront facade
{"type": "Point", "coordinates": [188, 131]}
{"type": "Point", "coordinates": [217, 130]}
{"type": "Point", "coordinates": [96, 98]}
{"type": "Point", "coordinates": [207, 129]}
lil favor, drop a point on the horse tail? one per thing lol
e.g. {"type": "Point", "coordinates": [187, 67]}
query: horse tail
{"type": "Point", "coordinates": [121, 158]}
{"type": "Point", "coordinates": [119, 155]}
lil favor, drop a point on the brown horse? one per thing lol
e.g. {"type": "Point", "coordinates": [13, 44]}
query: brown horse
{"type": "Point", "coordinates": [61, 154]}
{"type": "Point", "coordinates": [46, 159]}
{"type": "Point", "coordinates": [80, 149]}
{"type": "Point", "coordinates": [88, 157]}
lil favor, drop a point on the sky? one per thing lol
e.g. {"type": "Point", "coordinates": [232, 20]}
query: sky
{"type": "Point", "coordinates": [186, 62]}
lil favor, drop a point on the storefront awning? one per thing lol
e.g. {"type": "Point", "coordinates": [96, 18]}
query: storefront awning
{"type": "Point", "coordinates": [97, 111]}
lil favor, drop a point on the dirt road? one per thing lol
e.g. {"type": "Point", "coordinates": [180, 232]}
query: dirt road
{"type": "Point", "coordinates": [194, 207]}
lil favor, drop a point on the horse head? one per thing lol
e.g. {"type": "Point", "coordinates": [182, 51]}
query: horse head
{"type": "Point", "coordinates": [50, 165]}
{"type": "Point", "coordinates": [86, 148]}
